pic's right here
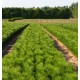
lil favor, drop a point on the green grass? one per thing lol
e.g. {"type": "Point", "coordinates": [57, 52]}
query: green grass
{"type": "Point", "coordinates": [66, 33]}
{"type": "Point", "coordinates": [10, 28]}
{"type": "Point", "coordinates": [33, 57]}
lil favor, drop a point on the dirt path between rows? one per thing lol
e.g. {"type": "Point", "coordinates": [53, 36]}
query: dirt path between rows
{"type": "Point", "coordinates": [7, 47]}
{"type": "Point", "coordinates": [69, 56]}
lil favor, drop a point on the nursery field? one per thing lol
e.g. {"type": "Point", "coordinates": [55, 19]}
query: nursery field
{"type": "Point", "coordinates": [33, 56]}
{"type": "Point", "coordinates": [66, 33]}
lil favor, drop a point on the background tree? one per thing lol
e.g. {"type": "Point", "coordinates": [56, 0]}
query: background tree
{"type": "Point", "coordinates": [42, 13]}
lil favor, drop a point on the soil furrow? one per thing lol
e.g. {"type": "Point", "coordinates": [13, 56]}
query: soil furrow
{"type": "Point", "coordinates": [6, 48]}
{"type": "Point", "coordinates": [69, 56]}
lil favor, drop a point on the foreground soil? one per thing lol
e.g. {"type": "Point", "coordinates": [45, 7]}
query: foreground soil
{"type": "Point", "coordinates": [61, 47]}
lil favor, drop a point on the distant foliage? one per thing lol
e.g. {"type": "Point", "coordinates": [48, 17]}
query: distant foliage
{"type": "Point", "coordinates": [15, 18]}
{"type": "Point", "coordinates": [74, 10]}
{"type": "Point", "coordinates": [37, 13]}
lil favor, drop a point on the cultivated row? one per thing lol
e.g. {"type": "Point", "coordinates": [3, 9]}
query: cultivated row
{"type": "Point", "coordinates": [34, 57]}
{"type": "Point", "coordinates": [67, 34]}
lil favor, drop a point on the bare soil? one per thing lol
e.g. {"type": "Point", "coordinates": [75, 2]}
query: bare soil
{"type": "Point", "coordinates": [7, 47]}
{"type": "Point", "coordinates": [69, 56]}
{"type": "Point", "coordinates": [53, 21]}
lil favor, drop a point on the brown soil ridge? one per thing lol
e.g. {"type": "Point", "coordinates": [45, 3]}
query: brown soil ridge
{"type": "Point", "coordinates": [70, 57]}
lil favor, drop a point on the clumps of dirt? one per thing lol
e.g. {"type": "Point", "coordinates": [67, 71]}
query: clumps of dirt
{"type": "Point", "coordinates": [69, 56]}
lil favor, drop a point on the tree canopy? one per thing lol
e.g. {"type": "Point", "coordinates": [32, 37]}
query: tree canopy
{"type": "Point", "coordinates": [38, 13]}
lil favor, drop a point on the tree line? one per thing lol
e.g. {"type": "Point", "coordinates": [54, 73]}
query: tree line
{"type": "Point", "coordinates": [74, 10]}
{"type": "Point", "coordinates": [38, 13]}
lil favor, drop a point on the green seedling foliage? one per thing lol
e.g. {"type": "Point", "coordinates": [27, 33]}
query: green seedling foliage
{"type": "Point", "coordinates": [34, 57]}
{"type": "Point", "coordinates": [10, 29]}
{"type": "Point", "coordinates": [66, 33]}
